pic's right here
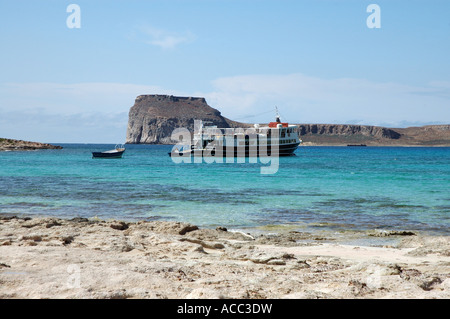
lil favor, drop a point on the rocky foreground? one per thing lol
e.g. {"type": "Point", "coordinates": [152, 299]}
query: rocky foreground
{"type": "Point", "coordinates": [8, 144]}
{"type": "Point", "coordinates": [81, 258]}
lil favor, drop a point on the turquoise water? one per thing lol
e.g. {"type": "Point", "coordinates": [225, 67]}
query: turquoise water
{"type": "Point", "coordinates": [337, 188]}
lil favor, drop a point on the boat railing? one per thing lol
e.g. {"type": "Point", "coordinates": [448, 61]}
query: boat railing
{"type": "Point", "coordinates": [120, 147]}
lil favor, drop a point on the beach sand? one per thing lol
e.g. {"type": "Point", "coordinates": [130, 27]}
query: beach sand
{"type": "Point", "coordinates": [81, 258]}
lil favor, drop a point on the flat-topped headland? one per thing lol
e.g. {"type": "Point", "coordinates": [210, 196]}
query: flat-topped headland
{"type": "Point", "coordinates": [153, 118]}
{"type": "Point", "coordinates": [8, 144]}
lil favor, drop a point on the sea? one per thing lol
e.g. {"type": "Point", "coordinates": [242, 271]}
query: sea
{"type": "Point", "coordinates": [336, 189]}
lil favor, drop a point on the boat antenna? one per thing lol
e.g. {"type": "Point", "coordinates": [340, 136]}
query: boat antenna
{"type": "Point", "coordinates": [254, 115]}
{"type": "Point", "coordinates": [277, 115]}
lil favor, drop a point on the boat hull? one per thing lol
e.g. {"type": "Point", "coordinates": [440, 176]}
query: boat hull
{"type": "Point", "coordinates": [117, 154]}
{"type": "Point", "coordinates": [284, 150]}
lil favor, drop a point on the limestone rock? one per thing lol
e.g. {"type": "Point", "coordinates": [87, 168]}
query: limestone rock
{"type": "Point", "coordinates": [119, 225]}
{"type": "Point", "coordinates": [346, 129]}
{"type": "Point", "coordinates": [153, 118]}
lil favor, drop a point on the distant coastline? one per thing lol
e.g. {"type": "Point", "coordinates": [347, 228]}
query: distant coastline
{"type": "Point", "coordinates": [8, 144]}
{"type": "Point", "coordinates": [348, 134]}
{"type": "Point", "coordinates": [311, 144]}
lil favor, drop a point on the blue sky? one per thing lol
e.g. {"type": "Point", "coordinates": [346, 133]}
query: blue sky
{"type": "Point", "coordinates": [316, 60]}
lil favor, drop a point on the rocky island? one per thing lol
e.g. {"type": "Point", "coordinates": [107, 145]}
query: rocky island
{"type": "Point", "coordinates": [8, 144]}
{"type": "Point", "coordinates": [153, 118]}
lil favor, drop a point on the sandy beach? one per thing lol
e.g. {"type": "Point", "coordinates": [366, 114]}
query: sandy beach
{"type": "Point", "coordinates": [90, 258]}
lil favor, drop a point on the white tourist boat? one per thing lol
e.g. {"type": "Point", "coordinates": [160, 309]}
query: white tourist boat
{"type": "Point", "coordinates": [279, 137]}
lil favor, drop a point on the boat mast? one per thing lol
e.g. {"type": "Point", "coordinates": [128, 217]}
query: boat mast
{"type": "Point", "coordinates": [277, 115]}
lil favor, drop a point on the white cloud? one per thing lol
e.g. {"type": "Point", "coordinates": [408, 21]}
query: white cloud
{"type": "Point", "coordinates": [305, 99]}
{"type": "Point", "coordinates": [163, 38]}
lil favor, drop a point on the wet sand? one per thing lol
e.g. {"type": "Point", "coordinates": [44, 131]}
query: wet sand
{"type": "Point", "coordinates": [81, 258]}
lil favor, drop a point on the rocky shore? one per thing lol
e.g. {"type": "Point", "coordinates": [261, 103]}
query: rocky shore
{"type": "Point", "coordinates": [7, 144]}
{"type": "Point", "coordinates": [90, 258]}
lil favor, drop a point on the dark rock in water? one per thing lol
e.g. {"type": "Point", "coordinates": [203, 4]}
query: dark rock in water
{"type": "Point", "coordinates": [79, 220]}
{"type": "Point", "coordinates": [386, 233]}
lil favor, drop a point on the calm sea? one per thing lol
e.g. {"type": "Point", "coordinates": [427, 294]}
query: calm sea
{"type": "Point", "coordinates": [338, 188]}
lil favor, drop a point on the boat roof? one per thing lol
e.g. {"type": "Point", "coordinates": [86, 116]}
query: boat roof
{"type": "Point", "coordinates": [271, 125]}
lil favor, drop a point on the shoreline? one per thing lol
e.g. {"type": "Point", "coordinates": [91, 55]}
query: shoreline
{"type": "Point", "coordinates": [45, 257]}
{"type": "Point", "coordinates": [302, 232]}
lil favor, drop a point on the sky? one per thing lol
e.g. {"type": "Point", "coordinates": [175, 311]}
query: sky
{"type": "Point", "coordinates": [71, 76]}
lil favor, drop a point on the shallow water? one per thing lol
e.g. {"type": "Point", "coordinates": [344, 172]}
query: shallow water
{"type": "Point", "coordinates": [332, 188]}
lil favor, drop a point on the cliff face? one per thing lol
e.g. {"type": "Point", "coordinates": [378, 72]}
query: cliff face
{"type": "Point", "coordinates": [338, 134]}
{"type": "Point", "coordinates": [344, 129]}
{"type": "Point", "coordinates": [153, 118]}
